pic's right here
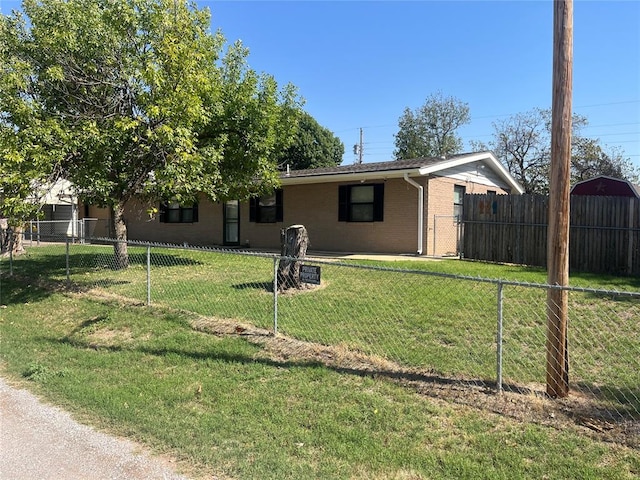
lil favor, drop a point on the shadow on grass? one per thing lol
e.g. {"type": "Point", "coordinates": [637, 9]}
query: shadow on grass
{"type": "Point", "coordinates": [80, 262]}
{"type": "Point", "coordinates": [610, 282]}
{"type": "Point", "coordinates": [607, 411]}
{"type": "Point", "coordinates": [162, 260]}
{"type": "Point", "coordinates": [15, 291]}
{"type": "Point", "coordinates": [36, 276]}
{"type": "Point", "coordinates": [626, 401]}
{"type": "Point", "coordinates": [87, 324]}
{"type": "Point", "coordinates": [22, 289]}
{"type": "Point", "coordinates": [265, 286]}
{"type": "Point", "coordinates": [86, 285]}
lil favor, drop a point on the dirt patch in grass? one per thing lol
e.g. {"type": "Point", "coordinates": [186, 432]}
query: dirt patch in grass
{"type": "Point", "coordinates": [110, 337]}
{"type": "Point", "coordinates": [526, 403]}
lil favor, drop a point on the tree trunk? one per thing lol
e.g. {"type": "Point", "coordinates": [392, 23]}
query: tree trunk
{"type": "Point", "coordinates": [4, 236]}
{"type": "Point", "coordinates": [11, 240]}
{"type": "Point", "coordinates": [121, 255]}
{"type": "Point", "coordinates": [294, 244]}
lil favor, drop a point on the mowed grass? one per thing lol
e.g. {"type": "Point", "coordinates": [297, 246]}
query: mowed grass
{"type": "Point", "coordinates": [223, 407]}
{"type": "Point", "coordinates": [439, 323]}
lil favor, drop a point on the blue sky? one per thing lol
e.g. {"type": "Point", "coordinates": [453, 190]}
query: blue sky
{"type": "Point", "coordinates": [359, 64]}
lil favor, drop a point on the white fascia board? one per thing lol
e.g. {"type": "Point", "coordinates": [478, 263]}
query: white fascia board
{"type": "Point", "coordinates": [348, 177]}
{"type": "Point", "coordinates": [486, 157]}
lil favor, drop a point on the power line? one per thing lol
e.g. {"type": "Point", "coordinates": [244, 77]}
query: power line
{"type": "Point", "coordinates": [612, 125]}
{"type": "Point", "coordinates": [608, 104]}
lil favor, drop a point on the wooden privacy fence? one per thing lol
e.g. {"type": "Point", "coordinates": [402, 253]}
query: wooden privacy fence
{"type": "Point", "coordinates": [604, 235]}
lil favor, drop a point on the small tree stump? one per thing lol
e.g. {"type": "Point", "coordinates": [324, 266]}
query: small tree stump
{"type": "Point", "coordinates": [294, 244]}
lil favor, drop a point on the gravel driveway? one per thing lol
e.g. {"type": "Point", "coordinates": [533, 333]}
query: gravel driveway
{"type": "Point", "coordinates": [38, 441]}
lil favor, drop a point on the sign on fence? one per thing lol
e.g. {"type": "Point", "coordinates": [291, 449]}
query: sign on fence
{"type": "Point", "coordinates": [310, 274]}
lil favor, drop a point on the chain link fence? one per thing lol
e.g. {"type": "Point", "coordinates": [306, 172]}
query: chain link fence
{"type": "Point", "coordinates": [451, 336]}
{"type": "Point", "coordinates": [447, 236]}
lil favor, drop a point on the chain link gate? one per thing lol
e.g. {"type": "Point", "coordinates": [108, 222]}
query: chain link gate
{"type": "Point", "coordinates": [447, 236]}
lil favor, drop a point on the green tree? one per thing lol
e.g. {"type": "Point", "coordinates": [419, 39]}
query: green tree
{"type": "Point", "coordinates": [589, 159]}
{"type": "Point", "coordinates": [430, 130]}
{"type": "Point", "coordinates": [523, 143]}
{"type": "Point", "coordinates": [313, 147]}
{"type": "Point", "coordinates": [145, 101]}
{"type": "Point", "coordinates": [32, 143]}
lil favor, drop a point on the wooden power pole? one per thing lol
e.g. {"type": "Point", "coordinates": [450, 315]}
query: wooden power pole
{"type": "Point", "coordinates": [558, 232]}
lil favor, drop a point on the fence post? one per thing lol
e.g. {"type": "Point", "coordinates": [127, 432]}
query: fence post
{"type": "Point", "coordinates": [459, 236]}
{"type": "Point", "coordinates": [630, 236]}
{"type": "Point", "coordinates": [10, 259]}
{"type": "Point", "coordinates": [67, 260]}
{"type": "Point", "coordinates": [435, 229]}
{"type": "Point", "coordinates": [275, 295]}
{"type": "Point", "coordinates": [499, 340]}
{"type": "Point", "coordinates": [148, 275]}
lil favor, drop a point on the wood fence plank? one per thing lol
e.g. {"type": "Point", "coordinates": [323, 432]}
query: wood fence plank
{"type": "Point", "coordinates": [604, 236]}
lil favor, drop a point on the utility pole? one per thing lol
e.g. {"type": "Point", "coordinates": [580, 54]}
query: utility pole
{"type": "Point", "coordinates": [558, 231]}
{"type": "Point", "coordinates": [358, 149]}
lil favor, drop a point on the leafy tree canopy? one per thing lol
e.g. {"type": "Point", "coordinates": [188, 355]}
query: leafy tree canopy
{"type": "Point", "coordinates": [523, 143]}
{"type": "Point", "coordinates": [430, 130]}
{"type": "Point", "coordinates": [137, 97]}
{"type": "Point", "coordinates": [313, 146]}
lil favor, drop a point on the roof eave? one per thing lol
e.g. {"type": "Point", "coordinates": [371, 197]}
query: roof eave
{"type": "Point", "coordinates": [486, 157]}
{"type": "Point", "coordinates": [348, 177]}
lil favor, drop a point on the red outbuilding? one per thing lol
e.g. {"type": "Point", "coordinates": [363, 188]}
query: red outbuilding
{"type": "Point", "coordinates": [606, 186]}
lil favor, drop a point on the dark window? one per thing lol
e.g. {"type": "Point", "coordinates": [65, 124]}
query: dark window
{"type": "Point", "coordinates": [173, 212]}
{"type": "Point", "coordinates": [458, 197]}
{"type": "Point", "coordinates": [266, 209]}
{"type": "Point", "coordinates": [361, 203]}
{"type": "Point", "coordinates": [491, 192]}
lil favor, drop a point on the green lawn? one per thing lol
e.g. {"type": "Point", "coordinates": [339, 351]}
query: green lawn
{"type": "Point", "coordinates": [224, 405]}
{"type": "Point", "coordinates": [444, 324]}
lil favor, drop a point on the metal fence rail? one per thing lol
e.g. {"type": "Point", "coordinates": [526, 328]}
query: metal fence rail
{"type": "Point", "coordinates": [77, 230]}
{"type": "Point", "coordinates": [472, 332]}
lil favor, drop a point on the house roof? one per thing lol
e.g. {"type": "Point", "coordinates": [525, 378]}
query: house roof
{"type": "Point", "coordinates": [603, 185]}
{"type": "Point", "coordinates": [411, 164]}
{"type": "Point", "coordinates": [397, 169]}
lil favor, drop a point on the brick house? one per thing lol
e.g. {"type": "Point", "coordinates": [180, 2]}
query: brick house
{"type": "Point", "coordinates": [405, 206]}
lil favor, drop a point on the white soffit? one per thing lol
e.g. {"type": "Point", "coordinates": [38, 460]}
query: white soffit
{"type": "Point", "coordinates": [485, 157]}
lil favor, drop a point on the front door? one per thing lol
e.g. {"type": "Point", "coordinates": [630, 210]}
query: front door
{"type": "Point", "coordinates": [232, 223]}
